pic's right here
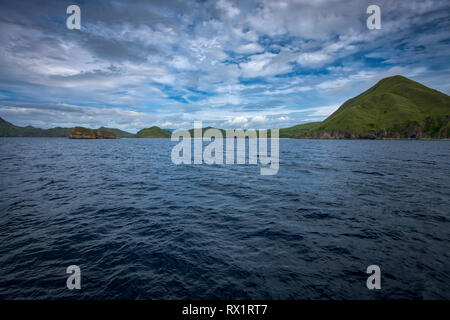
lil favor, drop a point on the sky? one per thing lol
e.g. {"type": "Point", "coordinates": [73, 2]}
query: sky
{"type": "Point", "coordinates": [231, 64]}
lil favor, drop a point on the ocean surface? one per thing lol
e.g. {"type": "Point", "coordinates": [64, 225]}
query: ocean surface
{"type": "Point", "coordinates": [140, 227]}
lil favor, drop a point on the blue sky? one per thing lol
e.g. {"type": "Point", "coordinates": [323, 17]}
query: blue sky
{"type": "Point", "coordinates": [241, 64]}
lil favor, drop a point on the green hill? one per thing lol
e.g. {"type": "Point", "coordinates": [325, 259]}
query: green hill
{"type": "Point", "coordinates": [7, 129]}
{"type": "Point", "coordinates": [298, 130]}
{"type": "Point", "coordinates": [119, 133]}
{"type": "Point", "coordinates": [153, 132]}
{"type": "Point", "coordinates": [396, 107]}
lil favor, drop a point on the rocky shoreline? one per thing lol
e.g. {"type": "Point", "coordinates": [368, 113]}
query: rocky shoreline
{"type": "Point", "coordinates": [85, 133]}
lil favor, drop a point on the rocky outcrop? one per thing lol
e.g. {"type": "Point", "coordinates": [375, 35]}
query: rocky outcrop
{"type": "Point", "coordinates": [433, 128]}
{"type": "Point", "coordinates": [85, 133]}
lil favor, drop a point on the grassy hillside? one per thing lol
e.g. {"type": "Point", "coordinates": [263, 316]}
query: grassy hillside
{"type": "Point", "coordinates": [396, 107]}
{"type": "Point", "coordinates": [119, 133]}
{"type": "Point", "coordinates": [298, 130]}
{"type": "Point", "coordinates": [153, 132]}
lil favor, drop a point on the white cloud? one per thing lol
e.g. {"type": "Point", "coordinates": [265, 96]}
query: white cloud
{"type": "Point", "coordinates": [323, 111]}
{"type": "Point", "coordinates": [264, 64]}
{"type": "Point", "coordinates": [284, 119]}
{"type": "Point", "coordinates": [259, 120]}
{"type": "Point", "coordinates": [167, 124]}
{"type": "Point", "coordinates": [249, 48]}
{"type": "Point", "coordinates": [331, 84]}
{"type": "Point", "coordinates": [313, 59]}
{"type": "Point", "coordinates": [238, 121]}
{"type": "Point", "coordinates": [229, 9]}
{"type": "Point", "coordinates": [199, 60]}
{"type": "Point", "coordinates": [305, 88]}
{"type": "Point", "coordinates": [248, 35]}
{"type": "Point", "coordinates": [181, 63]}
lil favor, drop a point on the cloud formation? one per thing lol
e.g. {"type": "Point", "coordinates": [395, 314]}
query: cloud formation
{"type": "Point", "coordinates": [257, 63]}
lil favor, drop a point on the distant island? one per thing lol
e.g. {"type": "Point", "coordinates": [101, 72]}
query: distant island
{"type": "Point", "coordinates": [395, 108]}
{"type": "Point", "coordinates": [85, 133]}
{"type": "Point", "coordinates": [7, 129]}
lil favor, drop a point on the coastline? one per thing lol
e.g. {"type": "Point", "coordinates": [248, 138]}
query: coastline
{"type": "Point", "coordinates": [387, 139]}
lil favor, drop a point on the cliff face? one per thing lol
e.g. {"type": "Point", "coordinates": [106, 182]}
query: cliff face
{"type": "Point", "coordinates": [85, 133]}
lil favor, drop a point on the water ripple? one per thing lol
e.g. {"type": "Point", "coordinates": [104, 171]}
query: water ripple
{"type": "Point", "coordinates": [142, 228]}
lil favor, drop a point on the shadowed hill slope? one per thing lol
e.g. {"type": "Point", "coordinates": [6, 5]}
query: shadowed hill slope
{"type": "Point", "coordinates": [396, 107]}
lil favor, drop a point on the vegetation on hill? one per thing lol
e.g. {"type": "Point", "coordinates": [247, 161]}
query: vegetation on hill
{"type": "Point", "coordinates": [396, 107]}
{"type": "Point", "coordinates": [153, 132]}
{"type": "Point", "coordinates": [298, 130]}
{"type": "Point", "coordinates": [7, 129]}
{"type": "Point", "coordinates": [119, 133]}
{"type": "Point", "coordinates": [85, 133]}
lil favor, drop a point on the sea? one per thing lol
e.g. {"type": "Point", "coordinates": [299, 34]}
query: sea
{"type": "Point", "coordinates": [140, 227]}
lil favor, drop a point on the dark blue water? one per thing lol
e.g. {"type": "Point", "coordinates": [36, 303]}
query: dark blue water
{"type": "Point", "coordinates": [140, 227]}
